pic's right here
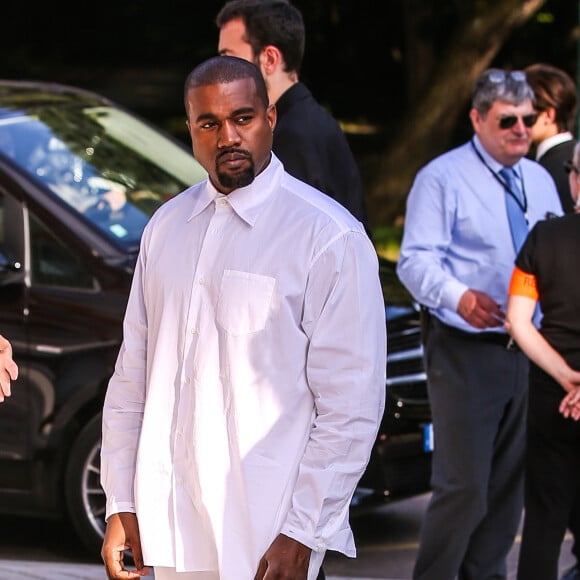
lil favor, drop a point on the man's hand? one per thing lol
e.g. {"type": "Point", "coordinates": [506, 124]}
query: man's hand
{"type": "Point", "coordinates": [285, 559]}
{"type": "Point", "coordinates": [8, 368]}
{"type": "Point", "coordinates": [479, 310]}
{"type": "Point", "coordinates": [122, 534]}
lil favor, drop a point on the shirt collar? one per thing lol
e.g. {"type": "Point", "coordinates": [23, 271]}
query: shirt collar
{"type": "Point", "coordinates": [246, 201]}
{"type": "Point", "coordinates": [493, 164]}
{"type": "Point", "coordinates": [552, 142]}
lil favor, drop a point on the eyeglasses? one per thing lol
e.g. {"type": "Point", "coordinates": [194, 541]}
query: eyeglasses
{"type": "Point", "coordinates": [569, 166]}
{"type": "Point", "coordinates": [508, 121]}
{"type": "Point", "coordinates": [500, 76]}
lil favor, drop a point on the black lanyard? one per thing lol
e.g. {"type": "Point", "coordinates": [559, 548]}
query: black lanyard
{"type": "Point", "coordinates": [523, 206]}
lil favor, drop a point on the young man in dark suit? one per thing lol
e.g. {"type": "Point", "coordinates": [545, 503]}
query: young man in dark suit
{"type": "Point", "coordinates": [307, 139]}
{"type": "Point", "coordinates": [553, 133]}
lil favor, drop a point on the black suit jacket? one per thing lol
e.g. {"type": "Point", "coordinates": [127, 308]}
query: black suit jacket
{"type": "Point", "coordinates": [553, 160]}
{"type": "Point", "coordinates": [313, 148]}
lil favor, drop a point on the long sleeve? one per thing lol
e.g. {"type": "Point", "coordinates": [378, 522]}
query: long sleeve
{"type": "Point", "coordinates": [344, 319]}
{"type": "Point", "coordinates": [124, 405]}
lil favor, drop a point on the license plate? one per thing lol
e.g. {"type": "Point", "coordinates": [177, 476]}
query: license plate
{"type": "Point", "coordinates": [428, 437]}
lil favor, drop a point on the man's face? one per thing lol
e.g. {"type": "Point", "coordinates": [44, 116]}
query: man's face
{"type": "Point", "coordinates": [544, 126]}
{"type": "Point", "coordinates": [509, 145]}
{"type": "Point", "coordinates": [231, 132]}
{"type": "Point", "coordinates": [574, 181]}
{"type": "Point", "coordinates": [231, 41]}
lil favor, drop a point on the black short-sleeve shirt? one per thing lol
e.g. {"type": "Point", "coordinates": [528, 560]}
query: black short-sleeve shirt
{"type": "Point", "coordinates": [551, 253]}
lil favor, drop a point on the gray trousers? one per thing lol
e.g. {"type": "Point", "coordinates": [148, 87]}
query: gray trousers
{"type": "Point", "coordinates": [478, 395]}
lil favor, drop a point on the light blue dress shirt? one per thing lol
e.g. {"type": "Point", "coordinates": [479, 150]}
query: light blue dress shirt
{"type": "Point", "coordinates": [457, 235]}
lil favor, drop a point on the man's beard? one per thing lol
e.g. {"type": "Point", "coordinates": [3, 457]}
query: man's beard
{"type": "Point", "coordinates": [237, 180]}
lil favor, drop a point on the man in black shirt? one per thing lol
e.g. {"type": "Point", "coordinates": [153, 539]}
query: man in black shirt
{"type": "Point", "coordinates": [307, 139]}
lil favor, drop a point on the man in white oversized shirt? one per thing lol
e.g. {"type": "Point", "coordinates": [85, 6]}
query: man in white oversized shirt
{"type": "Point", "coordinates": [250, 384]}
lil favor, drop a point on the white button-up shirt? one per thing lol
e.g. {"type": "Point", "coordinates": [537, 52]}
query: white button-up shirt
{"type": "Point", "coordinates": [250, 384]}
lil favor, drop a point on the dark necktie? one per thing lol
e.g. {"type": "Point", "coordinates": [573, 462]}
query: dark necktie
{"type": "Point", "coordinates": [517, 219]}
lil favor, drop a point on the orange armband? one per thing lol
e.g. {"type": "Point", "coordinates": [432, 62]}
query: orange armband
{"type": "Point", "coordinates": [523, 284]}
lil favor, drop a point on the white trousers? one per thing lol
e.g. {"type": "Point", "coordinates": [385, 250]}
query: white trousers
{"type": "Point", "coordinates": [171, 574]}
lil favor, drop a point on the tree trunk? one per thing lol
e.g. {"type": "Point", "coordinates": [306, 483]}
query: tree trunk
{"type": "Point", "coordinates": [480, 32]}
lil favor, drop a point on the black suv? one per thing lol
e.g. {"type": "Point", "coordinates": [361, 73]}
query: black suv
{"type": "Point", "coordinates": [79, 178]}
{"type": "Point", "coordinates": [400, 464]}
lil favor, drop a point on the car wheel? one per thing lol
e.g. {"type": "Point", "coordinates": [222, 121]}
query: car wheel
{"type": "Point", "coordinates": [85, 497]}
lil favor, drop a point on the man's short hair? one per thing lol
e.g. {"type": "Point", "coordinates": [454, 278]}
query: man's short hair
{"type": "Point", "coordinates": [496, 84]}
{"type": "Point", "coordinates": [269, 22]}
{"type": "Point", "coordinates": [225, 69]}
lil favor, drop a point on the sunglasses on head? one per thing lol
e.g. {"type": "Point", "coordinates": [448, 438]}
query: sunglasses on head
{"type": "Point", "coordinates": [508, 121]}
{"type": "Point", "coordinates": [500, 76]}
{"type": "Point", "coordinates": [569, 166]}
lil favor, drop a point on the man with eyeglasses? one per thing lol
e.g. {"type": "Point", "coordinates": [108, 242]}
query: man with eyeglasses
{"type": "Point", "coordinates": [468, 212]}
{"type": "Point", "coordinates": [569, 167]}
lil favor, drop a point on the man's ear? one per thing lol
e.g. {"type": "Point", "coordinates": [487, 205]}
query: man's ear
{"type": "Point", "coordinates": [550, 114]}
{"type": "Point", "coordinates": [270, 60]}
{"type": "Point", "coordinates": [475, 119]}
{"type": "Point", "coordinates": [272, 115]}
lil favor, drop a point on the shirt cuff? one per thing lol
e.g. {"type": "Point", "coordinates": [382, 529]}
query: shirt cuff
{"type": "Point", "coordinates": [451, 294]}
{"type": "Point", "coordinates": [114, 507]}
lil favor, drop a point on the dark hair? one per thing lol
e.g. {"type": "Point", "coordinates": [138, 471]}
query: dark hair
{"type": "Point", "coordinates": [555, 89]}
{"type": "Point", "coordinates": [275, 22]}
{"type": "Point", "coordinates": [225, 69]}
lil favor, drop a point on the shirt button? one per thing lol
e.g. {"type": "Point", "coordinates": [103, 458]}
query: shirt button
{"type": "Point", "coordinates": [201, 281]}
{"type": "Point", "coordinates": [194, 330]}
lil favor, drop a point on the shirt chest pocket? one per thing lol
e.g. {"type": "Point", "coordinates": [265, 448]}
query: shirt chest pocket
{"type": "Point", "coordinates": [244, 302]}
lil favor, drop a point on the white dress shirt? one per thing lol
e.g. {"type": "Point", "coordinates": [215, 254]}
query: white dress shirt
{"type": "Point", "coordinates": [552, 141]}
{"type": "Point", "coordinates": [250, 384]}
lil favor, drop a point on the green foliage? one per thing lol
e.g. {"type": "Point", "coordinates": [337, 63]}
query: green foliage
{"type": "Point", "coordinates": [545, 18]}
{"type": "Point", "coordinates": [387, 240]}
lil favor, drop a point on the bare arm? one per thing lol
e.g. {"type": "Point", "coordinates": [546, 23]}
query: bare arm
{"type": "Point", "coordinates": [520, 310]}
{"type": "Point", "coordinates": [8, 368]}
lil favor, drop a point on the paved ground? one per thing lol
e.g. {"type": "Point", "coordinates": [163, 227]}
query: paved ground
{"type": "Point", "coordinates": [387, 542]}
{"type": "Point", "coordinates": [21, 570]}
{"type": "Point", "coordinates": [27, 570]}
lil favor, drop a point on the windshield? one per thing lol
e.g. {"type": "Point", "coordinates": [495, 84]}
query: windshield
{"type": "Point", "coordinates": [104, 163]}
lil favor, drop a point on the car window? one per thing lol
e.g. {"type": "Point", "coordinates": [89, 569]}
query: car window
{"type": "Point", "coordinates": [102, 162]}
{"type": "Point", "coordinates": [11, 234]}
{"type": "Point", "coordinates": [53, 263]}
